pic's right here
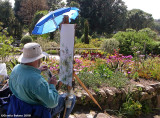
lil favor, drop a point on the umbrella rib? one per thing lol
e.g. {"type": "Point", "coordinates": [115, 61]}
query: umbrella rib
{"type": "Point", "coordinates": [55, 22]}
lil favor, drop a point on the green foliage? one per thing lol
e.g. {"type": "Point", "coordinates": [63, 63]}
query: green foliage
{"type": "Point", "coordinates": [96, 42]}
{"type": "Point", "coordinates": [156, 26]}
{"type": "Point", "coordinates": [46, 44]}
{"type": "Point", "coordinates": [83, 38]}
{"type": "Point", "coordinates": [102, 76]}
{"type": "Point", "coordinates": [91, 80]}
{"type": "Point", "coordinates": [77, 40]}
{"type": "Point", "coordinates": [82, 45]}
{"type": "Point", "coordinates": [103, 15]}
{"type": "Point", "coordinates": [55, 4]}
{"type": "Point", "coordinates": [5, 48]}
{"type": "Point", "coordinates": [6, 13]}
{"type": "Point", "coordinates": [15, 29]}
{"type": "Point", "coordinates": [17, 8]}
{"type": "Point", "coordinates": [149, 68]}
{"type": "Point", "coordinates": [86, 32]}
{"type": "Point", "coordinates": [73, 4]}
{"type": "Point", "coordinates": [152, 34]}
{"type": "Point", "coordinates": [156, 49]}
{"type": "Point", "coordinates": [131, 42]}
{"type": "Point", "coordinates": [138, 19]}
{"type": "Point", "coordinates": [26, 39]}
{"type": "Point", "coordinates": [118, 80]}
{"type": "Point", "coordinates": [109, 45]}
{"type": "Point", "coordinates": [11, 64]}
{"type": "Point", "coordinates": [136, 76]}
{"type": "Point", "coordinates": [103, 71]}
{"type": "Point", "coordinates": [132, 107]}
{"type": "Point", "coordinates": [146, 107]}
{"type": "Point", "coordinates": [53, 52]}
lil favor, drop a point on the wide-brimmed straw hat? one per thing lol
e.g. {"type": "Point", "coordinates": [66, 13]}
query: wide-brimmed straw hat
{"type": "Point", "coordinates": [31, 53]}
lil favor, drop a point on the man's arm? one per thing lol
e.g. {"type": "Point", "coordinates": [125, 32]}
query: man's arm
{"type": "Point", "coordinates": [47, 94]}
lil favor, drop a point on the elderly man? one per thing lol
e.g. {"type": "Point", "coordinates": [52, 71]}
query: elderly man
{"type": "Point", "coordinates": [28, 86]}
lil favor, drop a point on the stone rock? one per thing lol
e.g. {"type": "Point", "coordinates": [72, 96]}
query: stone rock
{"type": "Point", "coordinates": [80, 115]}
{"type": "Point", "coordinates": [123, 94]}
{"type": "Point", "coordinates": [156, 116]}
{"type": "Point", "coordinates": [89, 116]}
{"type": "Point", "coordinates": [156, 87]}
{"type": "Point", "coordinates": [149, 89]}
{"type": "Point", "coordinates": [102, 92]}
{"type": "Point", "coordinates": [158, 101]}
{"type": "Point", "coordinates": [72, 116]}
{"type": "Point", "coordinates": [140, 86]}
{"type": "Point", "coordinates": [93, 113]}
{"type": "Point", "coordinates": [110, 95]}
{"type": "Point", "coordinates": [78, 98]}
{"type": "Point", "coordinates": [102, 115]}
{"type": "Point", "coordinates": [145, 96]}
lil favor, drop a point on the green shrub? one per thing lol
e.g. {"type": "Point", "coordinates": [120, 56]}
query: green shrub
{"type": "Point", "coordinates": [109, 45]}
{"type": "Point", "coordinates": [118, 80]}
{"type": "Point", "coordinates": [102, 76]}
{"type": "Point", "coordinates": [152, 34]}
{"type": "Point", "coordinates": [5, 48]}
{"type": "Point", "coordinates": [46, 44]}
{"type": "Point", "coordinates": [82, 45]}
{"type": "Point", "coordinates": [26, 39]}
{"type": "Point", "coordinates": [131, 42]}
{"type": "Point", "coordinates": [83, 38]}
{"type": "Point", "coordinates": [86, 32]}
{"type": "Point", "coordinates": [53, 52]}
{"type": "Point", "coordinates": [156, 47]}
{"type": "Point", "coordinates": [96, 42]}
{"type": "Point", "coordinates": [132, 107]}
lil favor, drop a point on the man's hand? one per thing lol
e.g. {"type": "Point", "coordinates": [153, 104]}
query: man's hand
{"type": "Point", "coordinates": [43, 68]}
{"type": "Point", "coordinates": [53, 80]}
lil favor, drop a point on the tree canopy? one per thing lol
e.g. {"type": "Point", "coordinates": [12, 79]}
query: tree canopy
{"type": "Point", "coordinates": [104, 16]}
{"type": "Point", "coordinates": [29, 7]}
{"type": "Point", "coordinates": [6, 13]}
{"type": "Point", "coordinates": [138, 19]}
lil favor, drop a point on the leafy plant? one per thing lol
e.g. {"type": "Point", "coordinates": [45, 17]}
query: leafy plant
{"type": "Point", "coordinates": [103, 71]}
{"type": "Point", "coordinates": [26, 39]}
{"type": "Point", "coordinates": [82, 45]}
{"type": "Point", "coordinates": [118, 62]}
{"type": "Point", "coordinates": [132, 107]}
{"type": "Point", "coordinates": [118, 80]}
{"type": "Point", "coordinates": [5, 48]}
{"type": "Point", "coordinates": [110, 45]}
{"type": "Point", "coordinates": [11, 64]}
{"type": "Point", "coordinates": [45, 43]}
{"type": "Point", "coordinates": [132, 41]}
{"type": "Point", "coordinates": [149, 68]}
{"type": "Point", "coordinates": [96, 42]}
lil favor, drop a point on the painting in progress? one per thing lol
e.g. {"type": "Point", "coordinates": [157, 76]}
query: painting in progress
{"type": "Point", "coordinates": [66, 53]}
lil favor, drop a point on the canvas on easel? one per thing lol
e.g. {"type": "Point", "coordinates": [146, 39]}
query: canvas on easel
{"type": "Point", "coordinates": [67, 35]}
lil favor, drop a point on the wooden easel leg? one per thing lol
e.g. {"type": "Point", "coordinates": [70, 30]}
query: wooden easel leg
{"type": "Point", "coordinates": [81, 83]}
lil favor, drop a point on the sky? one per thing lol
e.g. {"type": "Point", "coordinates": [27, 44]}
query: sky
{"type": "Point", "coordinates": [149, 6]}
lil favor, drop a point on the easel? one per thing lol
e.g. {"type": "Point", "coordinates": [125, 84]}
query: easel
{"type": "Point", "coordinates": [69, 88]}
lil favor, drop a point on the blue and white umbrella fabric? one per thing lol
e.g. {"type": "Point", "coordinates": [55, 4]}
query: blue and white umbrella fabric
{"type": "Point", "coordinates": [51, 21]}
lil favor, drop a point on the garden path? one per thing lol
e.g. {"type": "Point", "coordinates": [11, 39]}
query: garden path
{"type": "Point", "coordinates": [57, 57]}
{"type": "Point", "coordinates": [96, 114]}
